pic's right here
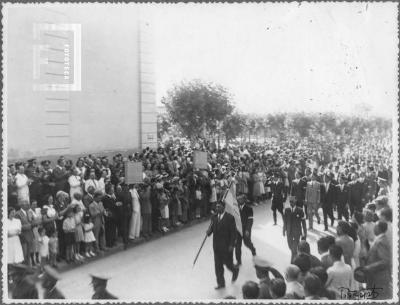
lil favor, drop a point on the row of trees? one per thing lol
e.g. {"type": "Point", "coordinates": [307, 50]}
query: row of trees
{"type": "Point", "coordinates": [203, 110]}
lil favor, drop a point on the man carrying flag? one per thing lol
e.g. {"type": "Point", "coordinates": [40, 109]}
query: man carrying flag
{"type": "Point", "coordinates": [224, 229]}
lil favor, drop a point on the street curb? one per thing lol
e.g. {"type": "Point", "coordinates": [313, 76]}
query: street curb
{"type": "Point", "coordinates": [63, 266]}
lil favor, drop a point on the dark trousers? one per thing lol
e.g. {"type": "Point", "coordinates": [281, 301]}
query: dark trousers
{"type": "Point", "coordinates": [355, 207]}
{"type": "Point", "coordinates": [238, 247]}
{"type": "Point", "coordinates": [124, 228]}
{"type": "Point", "coordinates": [221, 259]}
{"type": "Point", "coordinates": [111, 231]}
{"type": "Point", "coordinates": [146, 227]}
{"type": "Point", "coordinates": [293, 242]}
{"type": "Point", "coordinates": [276, 205]}
{"type": "Point", "coordinates": [327, 211]}
{"type": "Point", "coordinates": [342, 211]}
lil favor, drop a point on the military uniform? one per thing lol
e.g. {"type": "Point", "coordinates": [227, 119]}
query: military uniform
{"type": "Point", "coordinates": [99, 284]}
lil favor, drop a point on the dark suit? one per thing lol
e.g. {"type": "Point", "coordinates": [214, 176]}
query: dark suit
{"type": "Point", "coordinates": [278, 198]}
{"type": "Point", "coordinates": [342, 200]}
{"type": "Point", "coordinates": [61, 179]}
{"type": "Point", "coordinates": [293, 221]}
{"type": "Point", "coordinates": [356, 195]}
{"type": "Point", "coordinates": [110, 216]}
{"type": "Point", "coordinates": [124, 213]}
{"type": "Point", "coordinates": [246, 216]}
{"type": "Point", "coordinates": [298, 190]}
{"type": "Point", "coordinates": [327, 201]}
{"type": "Point", "coordinates": [26, 235]}
{"type": "Point", "coordinates": [224, 238]}
{"type": "Point", "coordinates": [379, 267]}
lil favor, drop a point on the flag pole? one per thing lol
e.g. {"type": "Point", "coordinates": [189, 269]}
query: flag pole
{"type": "Point", "coordinates": [205, 237]}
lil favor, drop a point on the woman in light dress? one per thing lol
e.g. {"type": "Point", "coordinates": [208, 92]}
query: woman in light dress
{"type": "Point", "coordinates": [14, 248]}
{"type": "Point", "coordinates": [22, 183]}
{"type": "Point", "coordinates": [75, 182]}
{"type": "Point", "coordinates": [134, 230]}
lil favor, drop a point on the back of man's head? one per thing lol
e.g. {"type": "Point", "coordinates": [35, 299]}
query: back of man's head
{"type": "Point", "coordinates": [323, 245]}
{"type": "Point", "coordinates": [335, 252]}
{"type": "Point", "coordinates": [312, 285]}
{"type": "Point", "coordinates": [292, 273]}
{"type": "Point", "coordinates": [380, 227]}
{"type": "Point", "coordinates": [250, 290]}
{"type": "Point", "coordinates": [277, 288]}
{"type": "Point", "coordinates": [386, 214]}
{"type": "Point", "coordinates": [303, 262]}
{"type": "Point", "coordinates": [321, 273]}
{"type": "Point", "coordinates": [303, 247]}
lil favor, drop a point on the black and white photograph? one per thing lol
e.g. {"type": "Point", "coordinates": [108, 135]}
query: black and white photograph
{"type": "Point", "coordinates": [200, 152]}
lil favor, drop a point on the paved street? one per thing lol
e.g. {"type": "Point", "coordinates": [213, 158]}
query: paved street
{"type": "Point", "coordinates": [162, 269]}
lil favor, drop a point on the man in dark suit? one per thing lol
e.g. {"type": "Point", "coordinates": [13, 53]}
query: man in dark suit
{"type": "Point", "coordinates": [278, 196]}
{"type": "Point", "coordinates": [356, 195]}
{"type": "Point", "coordinates": [124, 212]}
{"type": "Point", "coordinates": [298, 189]}
{"type": "Point", "coordinates": [342, 199]}
{"type": "Point", "coordinates": [246, 216]}
{"type": "Point", "coordinates": [26, 235]}
{"type": "Point", "coordinates": [61, 175]}
{"type": "Point", "coordinates": [223, 228]}
{"type": "Point", "coordinates": [293, 222]}
{"type": "Point", "coordinates": [328, 193]}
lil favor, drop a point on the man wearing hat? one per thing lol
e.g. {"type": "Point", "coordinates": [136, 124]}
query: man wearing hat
{"type": "Point", "coordinates": [99, 284]}
{"type": "Point", "coordinates": [293, 221]}
{"type": "Point", "coordinates": [49, 282]}
{"type": "Point", "coordinates": [223, 228]}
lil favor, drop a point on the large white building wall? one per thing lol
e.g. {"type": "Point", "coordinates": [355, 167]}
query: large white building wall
{"type": "Point", "coordinates": [111, 109]}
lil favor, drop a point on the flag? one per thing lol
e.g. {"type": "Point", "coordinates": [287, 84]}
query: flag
{"type": "Point", "coordinates": [232, 207]}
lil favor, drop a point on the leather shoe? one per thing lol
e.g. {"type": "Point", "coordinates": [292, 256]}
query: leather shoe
{"type": "Point", "coordinates": [235, 274]}
{"type": "Point", "coordinates": [219, 287]}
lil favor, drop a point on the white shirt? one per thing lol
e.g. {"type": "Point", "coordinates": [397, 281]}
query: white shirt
{"type": "Point", "coordinates": [294, 288]}
{"type": "Point", "coordinates": [91, 182]}
{"type": "Point", "coordinates": [44, 246]}
{"type": "Point", "coordinates": [220, 216]}
{"type": "Point", "coordinates": [339, 275]}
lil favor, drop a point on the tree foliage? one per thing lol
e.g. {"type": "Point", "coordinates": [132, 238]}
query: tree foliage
{"type": "Point", "coordinates": [196, 107]}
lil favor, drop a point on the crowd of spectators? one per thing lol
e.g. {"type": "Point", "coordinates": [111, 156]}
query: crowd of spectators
{"type": "Point", "coordinates": [75, 210]}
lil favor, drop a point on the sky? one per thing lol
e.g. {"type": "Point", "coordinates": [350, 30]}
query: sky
{"type": "Point", "coordinates": [283, 56]}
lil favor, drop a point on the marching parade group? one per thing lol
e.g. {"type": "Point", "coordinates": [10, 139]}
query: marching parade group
{"type": "Point", "coordinates": [72, 211]}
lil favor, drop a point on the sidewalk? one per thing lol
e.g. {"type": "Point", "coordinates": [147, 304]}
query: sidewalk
{"type": "Point", "coordinates": [63, 266]}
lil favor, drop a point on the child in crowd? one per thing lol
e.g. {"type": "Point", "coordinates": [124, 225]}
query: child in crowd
{"type": "Point", "coordinates": [53, 249]}
{"type": "Point", "coordinates": [69, 227]}
{"type": "Point", "coordinates": [89, 238]}
{"type": "Point", "coordinates": [79, 236]}
{"type": "Point", "coordinates": [77, 200]}
{"type": "Point", "coordinates": [35, 218]}
{"type": "Point", "coordinates": [43, 247]}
